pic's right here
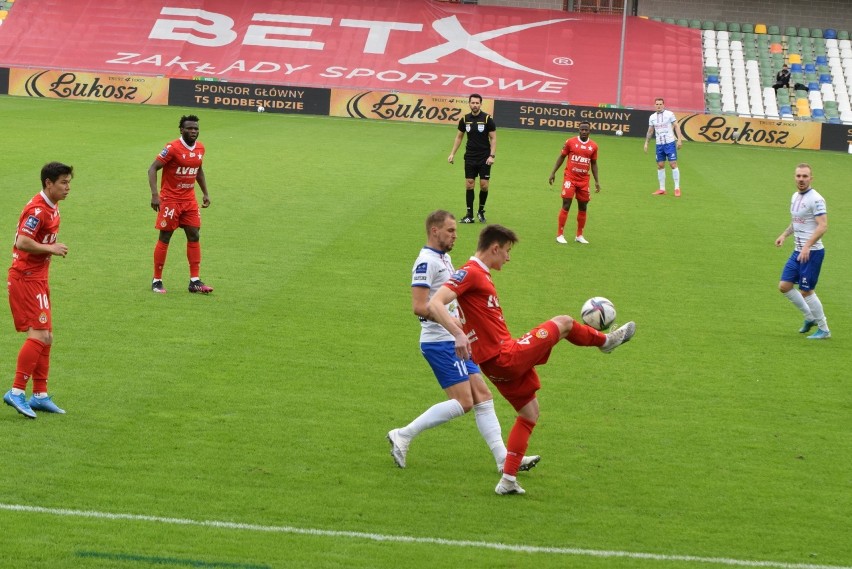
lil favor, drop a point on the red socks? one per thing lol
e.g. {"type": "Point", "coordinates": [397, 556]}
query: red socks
{"type": "Point", "coordinates": [563, 217]}
{"type": "Point", "coordinates": [28, 361]}
{"type": "Point", "coordinates": [41, 370]}
{"type": "Point", "coordinates": [516, 446]}
{"type": "Point", "coordinates": [160, 252]}
{"type": "Point", "coordinates": [193, 255]}
{"type": "Point", "coordinates": [581, 222]}
{"type": "Point", "coordinates": [582, 335]}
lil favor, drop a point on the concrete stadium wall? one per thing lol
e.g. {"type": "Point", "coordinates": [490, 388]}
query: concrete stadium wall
{"type": "Point", "coordinates": [835, 14]}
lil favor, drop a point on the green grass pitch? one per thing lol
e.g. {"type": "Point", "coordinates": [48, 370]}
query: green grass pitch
{"type": "Point", "coordinates": [718, 436]}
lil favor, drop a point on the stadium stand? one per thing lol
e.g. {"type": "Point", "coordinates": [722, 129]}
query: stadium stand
{"type": "Point", "coordinates": [741, 61]}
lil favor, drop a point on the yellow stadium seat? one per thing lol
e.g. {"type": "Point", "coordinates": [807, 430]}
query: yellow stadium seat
{"type": "Point", "coordinates": [760, 28]}
{"type": "Point", "coordinates": [794, 58]}
{"type": "Point", "coordinates": [803, 108]}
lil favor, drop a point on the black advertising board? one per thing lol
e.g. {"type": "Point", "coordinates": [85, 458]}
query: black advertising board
{"type": "Point", "coordinates": [836, 137]}
{"type": "Point", "coordinates": [249, 97]}
{"type": "Point", "coordinates": [551, 116]}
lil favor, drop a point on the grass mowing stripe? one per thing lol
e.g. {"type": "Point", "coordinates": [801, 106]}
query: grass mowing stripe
{"type": "Point", "coordinates": [166, 560]}
{"type": "Point", "coordinates": [409, 539]}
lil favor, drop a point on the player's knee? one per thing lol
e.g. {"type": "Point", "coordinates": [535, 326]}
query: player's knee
{"type": "Point", "coordinates": [479, 389]}
{"type": "Point", "coordinates": [466, 401]}
{"type": "Point", "coordinates": [165, 237]}
{"type": "Point", "coordinates": [785, 287]}
{"type": "Point", "coordinates": [530, 413]}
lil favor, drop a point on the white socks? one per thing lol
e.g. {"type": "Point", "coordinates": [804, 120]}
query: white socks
{"type": "Point", "coordinates": [661, 176]}
{"type": "Point", "coordinates": [816, 310]}
{"type": "Point", "coordinates": [676, 176]}
{"type": "Point", "coordinates": [437, 414]}
{"type": "Point", "coordinates": [489, 428]}
{"type": "Point", "coordinates": [799, 302]}
{"type": "Point", "coordinates": [440, 413]}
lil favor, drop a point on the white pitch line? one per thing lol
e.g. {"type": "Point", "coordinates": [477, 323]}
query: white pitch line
{"type": "Point", "coordinates": [419, 540]}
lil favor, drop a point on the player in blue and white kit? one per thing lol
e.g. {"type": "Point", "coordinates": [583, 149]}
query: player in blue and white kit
{"type": "Point", "coordinates": [810, 222]}
{"type": "Point", "coordinates": [663, 125]}
{"type": "Point", "coordinates": [460, 379]}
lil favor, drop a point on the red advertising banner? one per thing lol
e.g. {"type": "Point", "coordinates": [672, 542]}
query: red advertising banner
{"type": "Point", "coordinates": [413, 46]}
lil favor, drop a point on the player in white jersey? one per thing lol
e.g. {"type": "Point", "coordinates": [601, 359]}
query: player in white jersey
{"type": "Point", "coordinates": [663, 125]}
{"type": "Point", "coordinates": [460, 379]}
{"type": "Point", "coordinates": [810, 222]}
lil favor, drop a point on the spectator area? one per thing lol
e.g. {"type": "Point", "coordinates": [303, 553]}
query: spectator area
{"type": "Point", "coordinates": [741, 61]}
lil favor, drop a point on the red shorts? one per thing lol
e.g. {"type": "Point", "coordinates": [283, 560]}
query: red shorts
{"type": "Point", "coordinates": [512, 371]}
{"type": "Point", "coordinates": [30, 303]}
{"type": "Point", "coordinates": [570, 188]}
{"type": "Point", "coordinates": [174, 214]}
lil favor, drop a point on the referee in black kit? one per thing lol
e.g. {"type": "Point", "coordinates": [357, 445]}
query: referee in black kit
{"type": "Point", "coordinates": [478, 155]}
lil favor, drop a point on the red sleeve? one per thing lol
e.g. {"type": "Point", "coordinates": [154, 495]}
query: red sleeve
{"type": "Point", "coordinates": [33, 221]}
{"type": "Point", "coordinates": [462, 281]}
{"type": "Point", "coordinates": [165, 156]}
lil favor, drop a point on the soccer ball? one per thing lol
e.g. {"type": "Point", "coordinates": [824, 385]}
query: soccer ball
{"type": "Point", "coordinates": [260, 109]}
{"type": "Point", "coordinates": [619, 132]}
{"type": "Point", "coordinates": [598, 312]}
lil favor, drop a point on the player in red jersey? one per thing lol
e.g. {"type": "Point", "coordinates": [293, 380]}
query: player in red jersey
{"type": "Point", "coordinates": [582, 154]}
{"type": "Point", "coordinates": [176, 205]}
{"type": "Point", "coordinates": [29, 291]}
{"type": "Point", "coordinates": [508, 363]}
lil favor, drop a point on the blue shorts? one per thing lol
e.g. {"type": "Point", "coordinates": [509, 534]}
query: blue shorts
{"type": "Point", "coordinates": [667, 151]}
{"type": "Point", "coordinates": [805, 275]}
{"type": "Point", "coordinates": [448, 368]}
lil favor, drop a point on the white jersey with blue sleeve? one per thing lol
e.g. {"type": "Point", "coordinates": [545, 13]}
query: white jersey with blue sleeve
{"type": "Point", "coordinates": [663, 122]}
{"type": "Point", "coordinates": [805, 207]}
{"type": "Point", "coordinates": [432, 269]}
